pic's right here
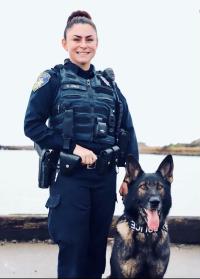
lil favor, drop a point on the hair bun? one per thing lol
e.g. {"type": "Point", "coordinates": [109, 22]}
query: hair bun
{"type": "Point", "coordinates": [79, 14]}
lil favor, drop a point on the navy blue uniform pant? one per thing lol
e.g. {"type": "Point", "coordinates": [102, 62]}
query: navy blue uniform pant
{"type": "Point", "coordinates": [81, 207]}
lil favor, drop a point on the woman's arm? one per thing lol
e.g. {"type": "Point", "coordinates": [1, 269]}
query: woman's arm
{"type": "Point", "coordinates": [38, 111]}
{"type": "Point", "coordinates": [127, 125]}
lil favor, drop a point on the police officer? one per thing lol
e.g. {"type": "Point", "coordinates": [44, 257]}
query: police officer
{"type": "Point", "coordinates": [86, 113]}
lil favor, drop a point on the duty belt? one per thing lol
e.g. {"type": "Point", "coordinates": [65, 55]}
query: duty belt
{"type": "Point", "coordinates": [106, 160]}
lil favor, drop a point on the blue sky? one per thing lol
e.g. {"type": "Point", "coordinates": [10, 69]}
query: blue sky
{"type": "Point", "coordinates": [153, 47]}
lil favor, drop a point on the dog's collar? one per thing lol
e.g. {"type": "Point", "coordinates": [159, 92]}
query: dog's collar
{"type": "Point", "coordinates": [143, 229]}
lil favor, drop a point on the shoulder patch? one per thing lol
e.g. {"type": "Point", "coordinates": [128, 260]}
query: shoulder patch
{"type": "Point", "coordinates": [43, 79]}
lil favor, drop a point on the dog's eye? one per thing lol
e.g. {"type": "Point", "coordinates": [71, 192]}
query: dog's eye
{"type": "Point", "coordinates": [159, 187]}
{"type": "Point", "coordinates": [143, 187]}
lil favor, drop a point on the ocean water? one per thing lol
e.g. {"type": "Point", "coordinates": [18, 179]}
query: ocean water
{"type": "Point", "coordinates": [19, 192]}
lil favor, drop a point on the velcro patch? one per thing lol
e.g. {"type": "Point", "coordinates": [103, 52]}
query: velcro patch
{"type": "Point", "coordinates": [43, 79]}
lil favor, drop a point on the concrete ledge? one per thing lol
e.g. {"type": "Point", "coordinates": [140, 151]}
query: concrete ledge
{"type": "Point", "coordinates": [182, 230]}
{"type": "Point", "coordinates": [23, 227]}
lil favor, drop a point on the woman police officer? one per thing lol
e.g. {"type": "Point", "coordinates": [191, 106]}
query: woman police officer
{"type": "Point", "coordinates": [81, 106]}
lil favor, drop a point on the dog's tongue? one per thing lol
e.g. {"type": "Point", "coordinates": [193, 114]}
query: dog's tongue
{"type": "Point", "coordinates": [152, 219]}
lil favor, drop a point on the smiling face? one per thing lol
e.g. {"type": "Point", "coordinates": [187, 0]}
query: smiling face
{"type": "Point", "coordinates": [81, 43]}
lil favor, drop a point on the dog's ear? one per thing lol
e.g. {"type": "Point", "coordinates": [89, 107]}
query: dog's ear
{"type": "Point", "coordinates": [133, 168]}
{"type": "Point", "coordinates": [166, 168]}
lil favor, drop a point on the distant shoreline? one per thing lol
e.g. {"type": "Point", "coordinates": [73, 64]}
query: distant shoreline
{"type": "Point", "coordinates": [177, 149]}
{"type": "Point", "coordinates": [16, 147]}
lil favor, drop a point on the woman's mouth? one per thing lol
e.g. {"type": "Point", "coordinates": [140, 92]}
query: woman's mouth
{"type": "Point", "coordinates": [82, 52]}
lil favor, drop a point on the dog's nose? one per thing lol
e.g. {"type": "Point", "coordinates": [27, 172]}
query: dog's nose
{"type": "Point", "coordinates": [154, 202]}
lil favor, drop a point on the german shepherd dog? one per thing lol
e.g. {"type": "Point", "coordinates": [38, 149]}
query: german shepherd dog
{"type": "Point", "coordinates": [141, 246]}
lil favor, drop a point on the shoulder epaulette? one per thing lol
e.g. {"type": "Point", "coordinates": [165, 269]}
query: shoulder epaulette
{"type": "Point", "coordinates": [55, 70]}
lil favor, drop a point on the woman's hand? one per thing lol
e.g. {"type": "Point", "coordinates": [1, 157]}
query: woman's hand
{"type": "Point", "coordinates": [123, 190]}
{"type": "Point", "coordinates": [87, 156]}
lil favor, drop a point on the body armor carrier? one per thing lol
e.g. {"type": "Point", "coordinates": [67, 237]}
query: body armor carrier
{"type": "Point", "coordinates": [91, 104]}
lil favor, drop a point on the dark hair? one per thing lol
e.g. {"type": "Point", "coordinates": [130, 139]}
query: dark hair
{"type": "Point", "coordinates": [77, 17]}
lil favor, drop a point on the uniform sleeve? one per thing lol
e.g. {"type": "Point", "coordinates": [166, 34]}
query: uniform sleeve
{"type": "Point", "coordinates": [38, 111]}
{"type": "Point", "coordinates": [127, 125]}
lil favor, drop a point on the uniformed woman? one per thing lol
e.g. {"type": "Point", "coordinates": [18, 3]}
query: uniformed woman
{"type": "Point", "coordinates": [88, 118]}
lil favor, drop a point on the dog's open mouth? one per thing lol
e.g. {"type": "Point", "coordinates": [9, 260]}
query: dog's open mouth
{"type": "Point", "coordinates": [152, 219]}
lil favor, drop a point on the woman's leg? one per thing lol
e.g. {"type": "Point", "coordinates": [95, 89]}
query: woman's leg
{"type": "Point", "coordinates": [69, 215]}
{"type": "Point", "coordinates": [102, 209]}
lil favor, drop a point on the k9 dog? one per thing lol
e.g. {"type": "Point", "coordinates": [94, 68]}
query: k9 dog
{"type": "Point", "coordinates": [141, 245]}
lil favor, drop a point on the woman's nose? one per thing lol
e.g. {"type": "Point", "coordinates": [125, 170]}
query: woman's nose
{"type": "Point", "coordinates": [83, 44]}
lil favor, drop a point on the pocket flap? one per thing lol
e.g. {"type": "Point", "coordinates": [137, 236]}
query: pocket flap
{"type": "Point", "coordinates": [53, 201]}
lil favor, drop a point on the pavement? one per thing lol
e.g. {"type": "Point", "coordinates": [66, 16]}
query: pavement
{"type": "Point", "coordinates": [39, 259]}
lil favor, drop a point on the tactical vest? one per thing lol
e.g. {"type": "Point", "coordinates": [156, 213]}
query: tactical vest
{"type": "Point", "coordinates": [90, 108]}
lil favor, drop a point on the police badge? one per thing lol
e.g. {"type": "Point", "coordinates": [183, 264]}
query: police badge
{"type": "Point", "coordinates": [41, 81]}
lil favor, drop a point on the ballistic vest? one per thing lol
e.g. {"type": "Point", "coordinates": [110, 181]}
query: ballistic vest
{"type": "Point", "coordinates": [85, 108]}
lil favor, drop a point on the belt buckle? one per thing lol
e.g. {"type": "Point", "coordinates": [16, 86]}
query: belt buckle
{"type": "Point", "coordinates": [91, 167]}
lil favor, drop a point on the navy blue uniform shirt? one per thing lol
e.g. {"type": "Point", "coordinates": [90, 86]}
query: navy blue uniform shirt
{"type": "Point", "coordinates": [40, 106]}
